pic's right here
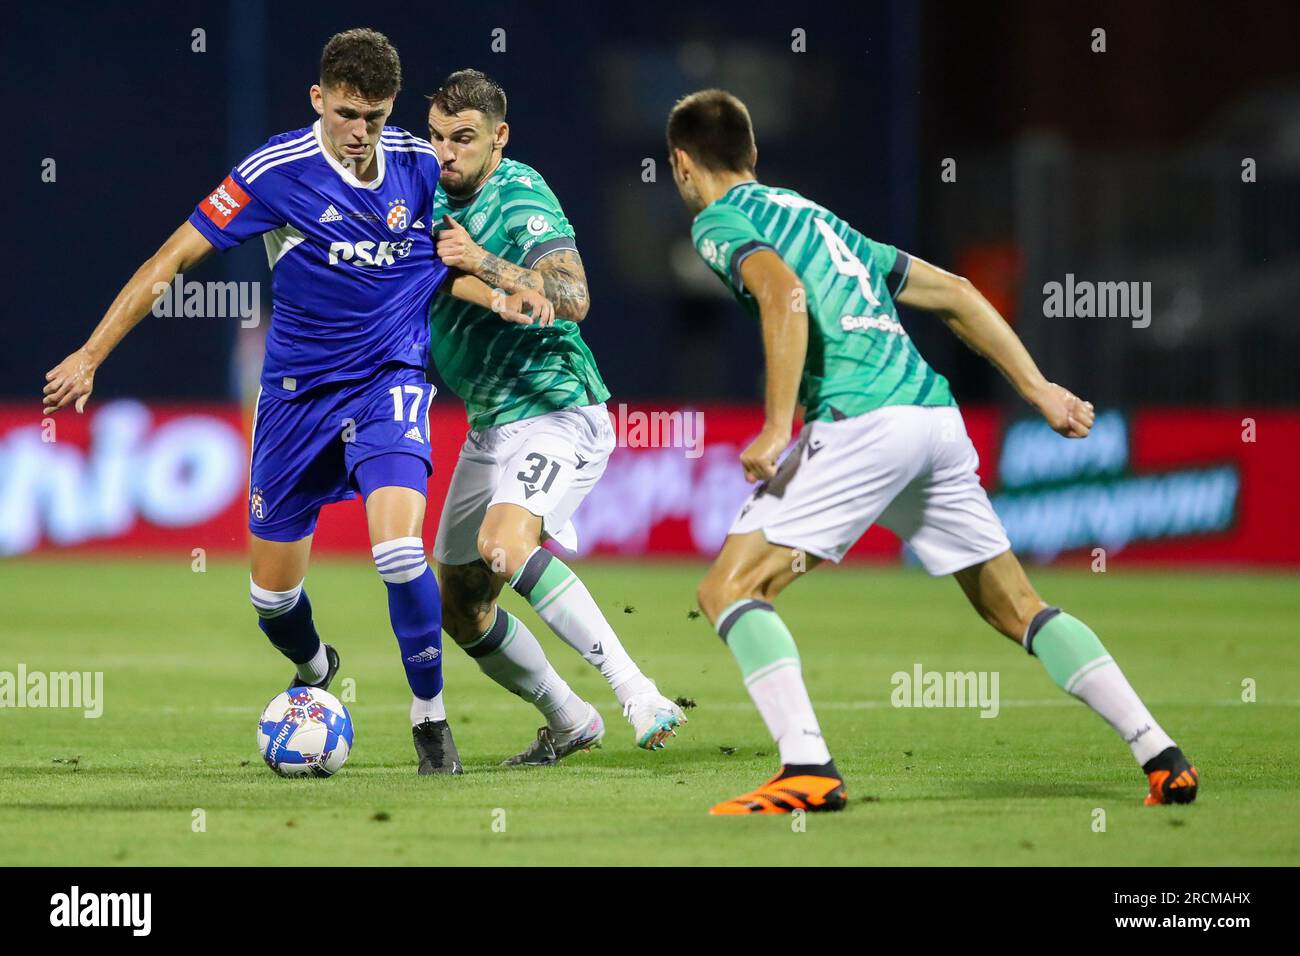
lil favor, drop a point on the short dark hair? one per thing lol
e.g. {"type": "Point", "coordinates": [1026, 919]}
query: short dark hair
{"type": "Point", "coordinates": [714, 129]}
{"type": "Point", "coordinates": [361, 61]}
{"type": "Point", "coordinates": [471, 90]}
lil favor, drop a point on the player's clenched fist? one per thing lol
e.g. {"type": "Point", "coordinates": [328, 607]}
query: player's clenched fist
{"type": "Point", "coordinates": [1068, 414]}
{"type": "Point", "coordinates": [456, 248]}
{"type": "Point", "coordinates": [73, 379]}
{"type": "Point", "coordinates": [759, 459]}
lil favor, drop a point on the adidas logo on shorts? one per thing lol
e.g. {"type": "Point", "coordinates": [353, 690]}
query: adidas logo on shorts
{"type": "Point", "coordinates": [330, 215]}
{"type": "Point", "coordinates": [414, 434]}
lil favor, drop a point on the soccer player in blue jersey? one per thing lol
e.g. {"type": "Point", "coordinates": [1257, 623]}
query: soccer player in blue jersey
{"type": "Point", "coordinates": [343, 405]}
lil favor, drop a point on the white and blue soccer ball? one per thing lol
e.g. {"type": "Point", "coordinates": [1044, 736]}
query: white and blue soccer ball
{"type": "Point", "coordinates": [305, 731]}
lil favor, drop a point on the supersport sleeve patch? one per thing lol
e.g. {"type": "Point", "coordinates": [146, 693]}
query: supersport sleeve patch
{"type": "Point", "coordinates": [231, 213]}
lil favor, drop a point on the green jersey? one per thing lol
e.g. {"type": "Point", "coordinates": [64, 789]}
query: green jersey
{"type": "Point", "coordinates": [504, 371]}
{"type": "Point", "coordinates": [859, 357]}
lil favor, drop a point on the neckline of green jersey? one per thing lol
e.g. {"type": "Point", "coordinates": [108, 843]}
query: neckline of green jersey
{"type": "Point", "coordinates": [730, 190]}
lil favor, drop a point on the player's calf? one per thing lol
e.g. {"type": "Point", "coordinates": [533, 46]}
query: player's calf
{"type": "Point", "coordinates": [561, 600]}
{"type": "Point", "coordinates": [1079, 664]}
{"type": "Point", "coordinates": [505, 650]}
{"type": "Point", "coordinates": [285, 618]}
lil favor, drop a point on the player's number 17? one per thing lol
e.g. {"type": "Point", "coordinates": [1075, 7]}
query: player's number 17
{"type": "Point", "coordinates": [396, 392]}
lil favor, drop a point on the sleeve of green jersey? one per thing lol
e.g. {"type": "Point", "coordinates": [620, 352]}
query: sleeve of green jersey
{"type": "Point", "coordinates": [534, 220]}
{"type": "Point", "coordinates": [724, 237]}
{"type": "Point", "coordinates": [892, 263]}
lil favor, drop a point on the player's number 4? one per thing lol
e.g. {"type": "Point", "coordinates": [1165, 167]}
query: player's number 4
{"type": "Point", "coordinates": [396, 392]}
{"type": "Point", "coordinates": [842, 257]}
{"type": "Point", "coordinates": [845, 262]}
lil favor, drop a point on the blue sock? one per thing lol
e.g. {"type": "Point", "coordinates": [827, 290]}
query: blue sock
{"type": "Point", "coordinates": [285, 618]}
{"type": "Point", "coordinates": [415, 610]}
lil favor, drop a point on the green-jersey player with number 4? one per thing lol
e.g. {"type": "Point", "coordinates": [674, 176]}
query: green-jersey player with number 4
{"type": "Point", "coordinates": [882, 443]}
{"type": "Point", "coordinates": [539, 438]}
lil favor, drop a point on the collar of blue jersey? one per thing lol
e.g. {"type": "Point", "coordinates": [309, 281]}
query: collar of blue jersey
{"type": "Point", "coordinates": [346, 174]}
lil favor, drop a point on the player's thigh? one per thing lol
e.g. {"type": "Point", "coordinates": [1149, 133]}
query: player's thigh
{"type": "Point", "coordinates": [393, 511]}
{"type": "Point", "coordinates": [278, 565]}
{"type": "Point", "coordinates": [472, 483]}
{"type": "Point", "coordinates": [297, 465]}
{"type": "Point", "coordinates": [386, 450]}
{"type": "Point", "coordinates": [750, 566]}
{"type": "Point", "coordinates": [1001, 592]}
{"type": "Point", "coordinates": [944, 513]}
{"type": "Point", "coordinates": [550, 463]}
{"type": "Point", "coordinates": [469, 597]}
{"type": "Point", "coordinates": [833, 485]}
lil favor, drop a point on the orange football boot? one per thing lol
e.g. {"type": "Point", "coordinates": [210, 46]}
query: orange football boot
{"type": "Point", "coordinates": [813, 789]}
{"type": "Point", "coordinates": [1171, 777]}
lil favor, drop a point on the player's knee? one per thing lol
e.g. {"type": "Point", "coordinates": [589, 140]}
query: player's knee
{"type": "Point", "coordinates": [1011, 618]}
{"type": "Point", "coordinates": [399, 560]}
{"type": "Point", "coordinates": [718, 591]}
{"type": "Point", "coordinates": [503, 554]}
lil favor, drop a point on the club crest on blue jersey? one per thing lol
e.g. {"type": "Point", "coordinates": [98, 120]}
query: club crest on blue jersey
{"type": "Point", "coordinates": [399, 217]}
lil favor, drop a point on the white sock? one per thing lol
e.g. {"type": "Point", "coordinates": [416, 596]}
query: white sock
{"type": "Point", "coordinates": [564, 603]}
{"type": "Point", "coordinates": [431, 709]}
{"type": "Point", "coordinates": [510, 655]}
{"type": "Point", "coordinates": [569, 718]}
{"type": "Point", "coordinates": [779, 694]}
{"type": "Point", "coordinates": [314, 670]}
{"type": "Point", "coordinates": [1107, 691]}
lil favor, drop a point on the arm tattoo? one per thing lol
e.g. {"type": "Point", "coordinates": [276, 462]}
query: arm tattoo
{"type": "Point", "coordinates": [564, 282]}
{"type": "Point", "coordinates": [559, 276]}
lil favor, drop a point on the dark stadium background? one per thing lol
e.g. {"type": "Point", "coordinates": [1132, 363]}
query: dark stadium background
{"type": "Point", "coordinates": [1117, 166]}
{"type": "Point", "coordinates": [1148, 136]}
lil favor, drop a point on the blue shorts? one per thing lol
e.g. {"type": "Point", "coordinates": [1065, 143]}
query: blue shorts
{"type": "Point", "coordinates": [307, 451]}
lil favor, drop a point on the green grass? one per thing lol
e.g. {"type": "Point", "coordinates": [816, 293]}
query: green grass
{"type": "Point", "coordinates": [187, 671]}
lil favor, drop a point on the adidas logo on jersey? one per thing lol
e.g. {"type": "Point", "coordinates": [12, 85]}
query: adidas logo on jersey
{"type": "Point", "coordinates": [414, 434]}
{"type": "Point", "coordinates": [330, 215]}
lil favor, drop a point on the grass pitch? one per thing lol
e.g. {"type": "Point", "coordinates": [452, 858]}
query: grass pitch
{"type": "Point", "coordinates": [186, 672]}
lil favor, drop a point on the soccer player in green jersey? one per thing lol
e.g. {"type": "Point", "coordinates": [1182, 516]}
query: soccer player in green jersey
{"type": "Point", "coordinates": [539, 435]}
{"type": "Point", "coordinates": [882, 443]}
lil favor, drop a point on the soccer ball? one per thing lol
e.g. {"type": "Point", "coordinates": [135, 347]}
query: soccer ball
{"type": "Point", "coordinates": [305, 731]}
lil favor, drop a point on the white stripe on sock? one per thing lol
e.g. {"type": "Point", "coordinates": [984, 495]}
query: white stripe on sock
{"type": "Point", "coordinates": [400, 560]}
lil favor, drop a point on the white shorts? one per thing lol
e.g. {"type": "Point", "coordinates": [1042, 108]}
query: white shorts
{"type": "Point", "coordinates": [546, 464]}
{"type": "Point", "coordinates": [909, 468]}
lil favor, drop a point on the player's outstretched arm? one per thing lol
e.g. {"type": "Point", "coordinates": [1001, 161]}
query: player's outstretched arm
{"type": "Point", "coordinates": [73, 379]}
{"type": "Point", "coordinates": [974, 321]}
{"type": "Point", "coordinates": [559, 276]}
{"type": "Point", "coordinates": [784, 315]}
{"type": "Point", "coordinates": [525, 307]}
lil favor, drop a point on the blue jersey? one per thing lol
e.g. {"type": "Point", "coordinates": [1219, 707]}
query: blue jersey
{"type": "Point", "coordinates": [352, 263]}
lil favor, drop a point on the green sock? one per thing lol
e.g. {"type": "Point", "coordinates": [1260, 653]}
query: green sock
{"type": "Point", "coordinates": [1067, 647]}
{"type": "Point", "coordinates": [769, 662]}
{"type": "Point", "coordinates": [1078, 664]}
{"type": "Point", "coordinates": [564, 603]}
